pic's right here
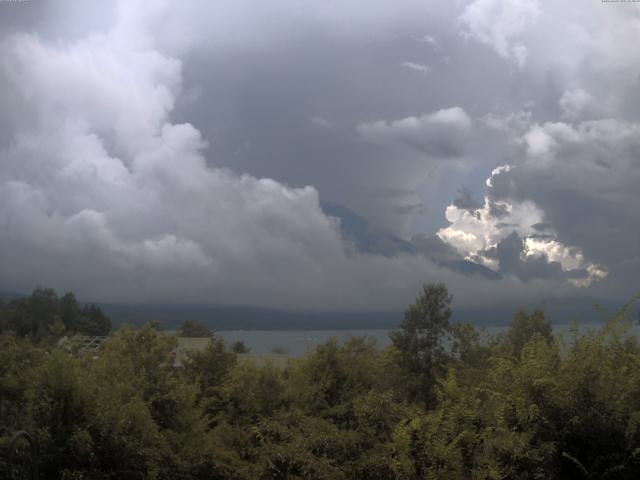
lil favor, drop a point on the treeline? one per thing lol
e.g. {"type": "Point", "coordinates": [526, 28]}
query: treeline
{"type": "Point", "coordinates": [44, 316]}
{"type": "Point", "coordinates": [440, 403]}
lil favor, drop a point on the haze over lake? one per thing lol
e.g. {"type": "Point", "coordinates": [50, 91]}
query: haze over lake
{"type": "Point", "coordinates": [301, 342]}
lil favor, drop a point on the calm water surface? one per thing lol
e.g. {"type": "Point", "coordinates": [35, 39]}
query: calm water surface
{"type": "Point", "coordinates": [300, 342]}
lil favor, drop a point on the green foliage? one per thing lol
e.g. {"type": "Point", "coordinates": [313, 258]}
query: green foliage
{"type": "Point", "coordinates": [329, 380]}
{"type": "Point", "coordinates": [419, 342]}
{"type": "Point", "coordinates": [253, 392]}
{"type": "Point", "coordinates": [189, 328]}
{"type": "Point", "coordinates": [524, 405]}
{"type": "Point", "coordinates": [239, 347]}
{"type": "Point", "coordinates": [467, 345]}
{"type": "Point", "coordinates": [208, 369]}
{"type": "Point", "coordinates": [525, 327]}
{"type": "Point", "coordinates": [45, 316]}
{"type": "Point", "coordinates": [126, 414]}
{"type": "Point", "coordinates": [17, 360]}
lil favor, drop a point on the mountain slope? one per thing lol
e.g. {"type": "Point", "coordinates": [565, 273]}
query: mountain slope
{"type": "Point", "coordinates": [365, 238]}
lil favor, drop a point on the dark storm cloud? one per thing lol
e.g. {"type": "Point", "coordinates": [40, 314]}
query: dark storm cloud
{"type": "Point", "coordinates": [589, 204]}
{"type": "Point", "coordinates": [142, 145]}
{"type": "Point", "coordinates": [395, 192]}
{"type": "Point", "coordinates": [104, 191]}
{"type": "Point", "coordinates": [510, 255]}
{"type": "Point", "coordinates": [409, 209]}
{"type": "Point", "coordinates": [465, 200]}
{"type": "Point", "coordinates": [258, 102]}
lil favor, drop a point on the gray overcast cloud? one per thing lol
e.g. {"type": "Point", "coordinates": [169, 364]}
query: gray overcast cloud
{"type": "Point", "coordinates": [156, 151]}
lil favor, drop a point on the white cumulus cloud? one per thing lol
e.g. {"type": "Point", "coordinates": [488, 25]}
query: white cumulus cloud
{"type": "Point", "coordinates": [478, 233]}
{"type": "Point", "coordinates": [440, 134]}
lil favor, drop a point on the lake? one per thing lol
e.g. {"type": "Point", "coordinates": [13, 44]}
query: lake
{"type": "Point", "coordinates": [296, 342]}
{"type": "Point", "coordinates": [300, 342]}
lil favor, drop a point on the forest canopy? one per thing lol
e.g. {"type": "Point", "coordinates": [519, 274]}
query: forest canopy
{"type": "Point", "coordinates": [443, 401]}
{"type": "Point", "coordinates": [44, 315]}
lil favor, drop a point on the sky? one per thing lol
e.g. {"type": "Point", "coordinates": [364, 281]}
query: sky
{"type": "Point", "coordinates": [182, 152]}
